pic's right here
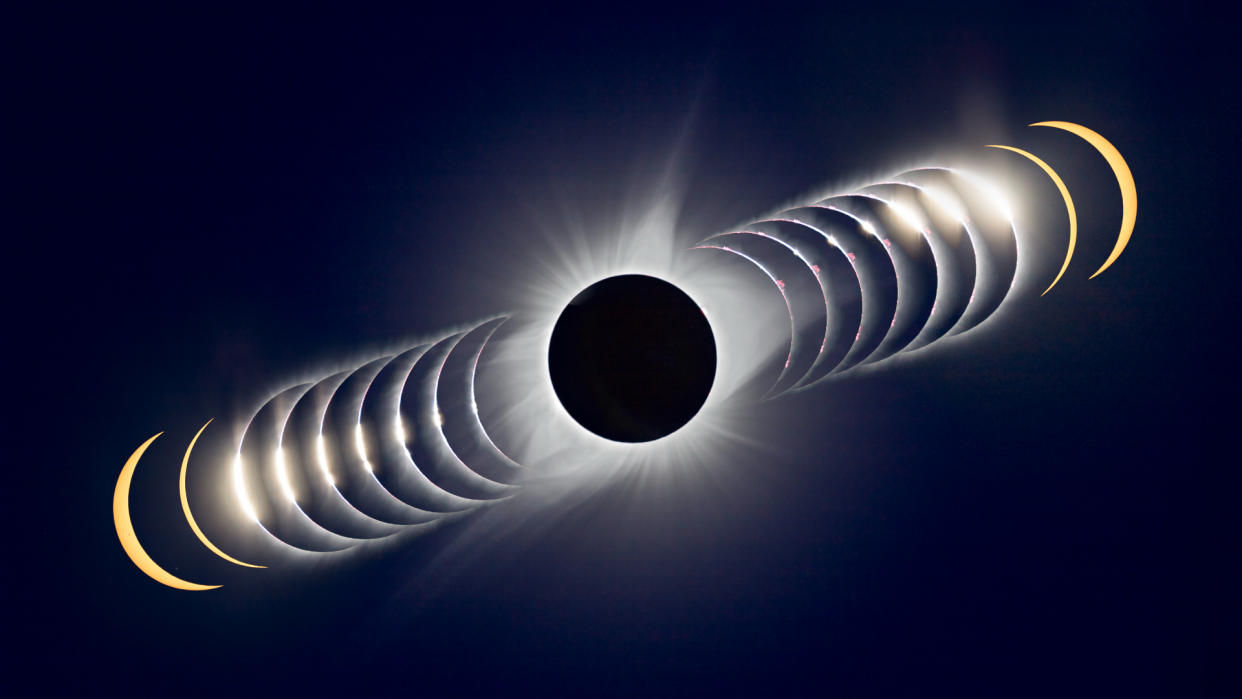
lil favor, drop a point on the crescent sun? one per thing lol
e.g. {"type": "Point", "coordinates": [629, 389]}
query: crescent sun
{"type": "Point", "coordinates": [185, 506]}
{"type": "Point", "coordinates": [1129, 196]}
{"type": "Point", "coordinates": [1069, 208]}
{"type": "Point", "coordinates": [125, 527]}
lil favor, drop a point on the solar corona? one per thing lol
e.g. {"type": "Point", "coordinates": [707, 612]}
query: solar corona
{"type": "Point", "coordinates": [637, 352]}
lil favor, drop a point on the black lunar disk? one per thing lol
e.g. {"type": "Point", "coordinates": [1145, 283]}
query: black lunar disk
{"type": "Point", "coordinates": [632, 358]}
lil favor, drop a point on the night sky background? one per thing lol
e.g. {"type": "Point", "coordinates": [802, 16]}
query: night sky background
{"type": "Point", "coordinates": [201, 205]}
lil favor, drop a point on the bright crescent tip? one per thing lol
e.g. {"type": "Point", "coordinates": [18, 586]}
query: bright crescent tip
{"type": "Point", "coordinates": [189, 516]}
{"type": "Point", "coordinates": [1069, 208]}
{"type": "Point", "coordinates": [125, 528]}
{"type": "Point", "coordinates": [1129, 196]}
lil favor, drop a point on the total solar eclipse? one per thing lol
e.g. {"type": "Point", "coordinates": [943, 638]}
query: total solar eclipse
{"type": "Point", "coordinates": [632, 358]}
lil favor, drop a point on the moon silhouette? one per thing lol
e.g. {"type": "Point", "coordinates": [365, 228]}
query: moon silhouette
{"type": "Point", "coordinates": [189, 516]}
{"type": "Point", "coordinates": [632, 358]}
{"type": "Point", "coordinates": [125, 528]}
{"type": "Point", "coordinates": [1069, 208]}
{"type": "Point", "coordinates": [1129, 196]}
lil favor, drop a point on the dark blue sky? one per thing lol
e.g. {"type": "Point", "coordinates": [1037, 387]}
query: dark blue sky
{"type": "Point", "coordinates": [207, 202]}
